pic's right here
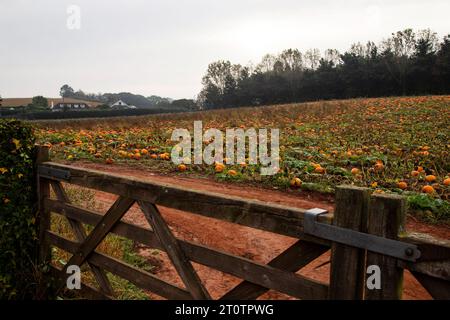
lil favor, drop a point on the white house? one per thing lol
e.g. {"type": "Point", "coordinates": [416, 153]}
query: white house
{"type": "Point", "coordinates": [121, 105]}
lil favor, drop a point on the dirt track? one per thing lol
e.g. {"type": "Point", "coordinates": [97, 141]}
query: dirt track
{"type": "Point", "coordinates": [254, 244]}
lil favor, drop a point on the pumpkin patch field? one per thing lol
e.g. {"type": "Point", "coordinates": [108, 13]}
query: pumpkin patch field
{"type": "Point", "coordinates": [398, 145]}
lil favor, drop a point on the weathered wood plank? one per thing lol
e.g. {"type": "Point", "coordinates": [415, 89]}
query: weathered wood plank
{"type": "Point", "coordinates": [438, 288]}
{"type": "Point", "coordinates": [261, 274]}
{"type": "Point", "coordinates": [431, 248]}
{"type": "Point", "coordinates": [434, 260]}
{"type": "Point", "coordinates": [80, 235]}
{"type": "Point", "coordinates": [257, 214]}
{"type": "Point", "coordinates": [435, 269]}
{"type": "Point", "coordinates": [114, 214]}
{"type": "Point", "coordinates": [287, 282]}
{"type": "Point", "coordinates": [140, 278]}
{"type": "Point", "coordinates": [174, 251]}
{"type": "Point", "coordinates": [386, 218]}
{"type": "Point", "coordinates": [292, 259]}
{"type": "Point", "coordinates": [43, 218]}
{"type": "Point", "coordinates": [347, 263]}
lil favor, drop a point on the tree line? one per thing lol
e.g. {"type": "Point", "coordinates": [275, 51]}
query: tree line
{"type": "Point", "coordinates": [406, 63]}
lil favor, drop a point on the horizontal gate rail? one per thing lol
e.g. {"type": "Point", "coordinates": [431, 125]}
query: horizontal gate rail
{"type": "Point", "coordinates": [431, 269]}
{"type": "Point", "coordinates": [251, 213]}
{"type": "Point", "coordinates": [257, 273]}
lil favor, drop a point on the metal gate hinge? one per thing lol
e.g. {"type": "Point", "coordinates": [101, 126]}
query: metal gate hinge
{"type": "Point", "coordinates": [389, 247]}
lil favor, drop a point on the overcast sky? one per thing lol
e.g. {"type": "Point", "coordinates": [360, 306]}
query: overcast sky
{"type": "Point", "coordinates": [164, 47]}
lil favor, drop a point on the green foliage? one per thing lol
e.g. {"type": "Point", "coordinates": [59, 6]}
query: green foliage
{"type": "Point", "coordinates": [18, 235]}
{"type": "Point", "coordinates": [39, 103]}
{"type": "Point", "coordinates": [66, 91]}
{"type": "Point", "coordinates": [429, 208]}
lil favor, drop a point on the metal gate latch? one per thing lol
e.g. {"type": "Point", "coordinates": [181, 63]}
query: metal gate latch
{"type": "Point", "coordinates": [389, 247]}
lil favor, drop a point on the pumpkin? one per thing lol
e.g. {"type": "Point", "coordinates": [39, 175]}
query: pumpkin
{"type": "Point", "coordinates": [428, 189]}
{"type": "Point", "coordinates": [182, 167]}
{"type": "Point", "coordinates": [355, 171]}
{"type": "Point", "coordinates": [447, 182]}
{"type": "Point", "coordinates": [295, 182]}
{"type": "Point", "coordinates": [319, 170]}
{"type": "Point", "coordinates": [219, 167]}
{"type": "Point", "coordinates": [430, 178]}
{"type": "Point", "coordinates": [402, 185]}
{"type": "Point", "coordinates": [232, 172]}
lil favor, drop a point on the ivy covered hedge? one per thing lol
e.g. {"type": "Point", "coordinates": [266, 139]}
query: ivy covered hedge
{"type": "Point", "coordinates": [18, 210]}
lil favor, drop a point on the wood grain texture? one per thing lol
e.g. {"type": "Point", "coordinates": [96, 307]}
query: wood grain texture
{"type": "Point", "coordinates": [246, 269]}
{"type": "Point", "coordinates": [252, 213]}
{"type": "Point", "coordinates": [140, 278]}
{"type": "Point", "coordinates": [80, 235]}
{"type": "Point", "coordinates": [43, 217]}
{"type": "Point", "coordinates": [114, 214]}
{"type": "Point", "coordinates": [348, 263]}
{"type": "Point", "coordinates": [174, 251]}
{"type": "Point", "coordinates": [438, 288]}
{"type": "Point", "coordinates": [292, 259]}
{"type": "Point", "coordinates": [386, 219]}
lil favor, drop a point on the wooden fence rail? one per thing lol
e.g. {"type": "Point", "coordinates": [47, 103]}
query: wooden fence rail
{"type": "Point", "coordinates": [355, 209]}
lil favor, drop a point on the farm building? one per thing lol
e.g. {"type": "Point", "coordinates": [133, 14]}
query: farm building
{"type": "Point", "coordinates": [69, 106]}
{"type": "Point", "coordinates": [55, 104]}
{"type": "Point", "coordinates": [121, 105]}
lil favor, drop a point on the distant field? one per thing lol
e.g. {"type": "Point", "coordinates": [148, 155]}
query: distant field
{"type": "Point", "coordinates": [388, 144]}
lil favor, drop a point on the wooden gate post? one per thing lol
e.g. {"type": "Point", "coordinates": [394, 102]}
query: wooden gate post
{"type": "Point", "coordinates": [348, 263]}
{"type": "Point", "coordinates": [386, 219]}
{"type": "Point", "coordinates": [43, 186]}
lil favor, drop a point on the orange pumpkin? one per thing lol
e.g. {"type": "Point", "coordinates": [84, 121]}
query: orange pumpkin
{"type": "Point", "coordinates": [295, 182]}
{"type": "Point", "coordinates": [402, 185]}
{"type": "Point", "coordinates": [219, 167]}
{"type": "Point", "coordinates": [428, 189]}
{"type": "Point", "coordinates": [319, 170]}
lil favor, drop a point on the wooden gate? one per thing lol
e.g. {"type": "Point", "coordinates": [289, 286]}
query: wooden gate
{"type": "Point", "coordinates": [380, 215]}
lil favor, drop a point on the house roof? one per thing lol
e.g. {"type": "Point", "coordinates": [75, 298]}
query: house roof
{"type": "Point", "coordinates": [19, 102]}
{"type": "Point", "coordinates": [120, 102]}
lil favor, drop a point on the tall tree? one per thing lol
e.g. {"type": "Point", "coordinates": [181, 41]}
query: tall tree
{"type": "Point", "coordinates": [66, 91]}
{"type": "Point", "coordinates": [405, 63]}
{"type": "Point", "coordinates": [39, 103]}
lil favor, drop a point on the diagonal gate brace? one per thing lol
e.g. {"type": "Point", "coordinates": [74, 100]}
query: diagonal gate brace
{"type": "Point", "coordinates": [389, 247]}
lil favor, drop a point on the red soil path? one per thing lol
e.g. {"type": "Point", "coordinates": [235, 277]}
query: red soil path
{"type": "Point", "coordinates": [251, 243]}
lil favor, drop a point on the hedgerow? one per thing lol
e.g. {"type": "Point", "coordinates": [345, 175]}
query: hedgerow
{"type": "Point", "coordinates": [18, 211]}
